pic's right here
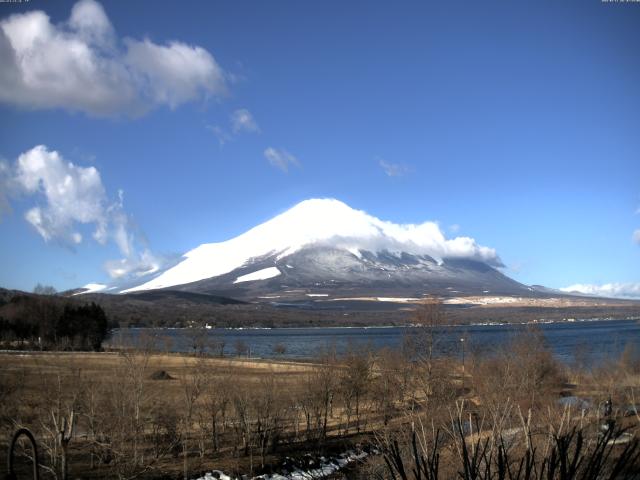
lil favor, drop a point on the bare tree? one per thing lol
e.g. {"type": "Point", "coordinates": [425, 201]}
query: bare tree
{"type": "Point", "coordinates": [428, 320]}
{"type": "Point", "coordinates": [58, 419]}
{"type": "Point", "coordinates": [135, 370]}
{"type": "Point", "coordinates": [354, 382]}
{"type": "Point", "coordinates": [242, 348]}
{"type": "Point", "coordinates": [269, 404]}
{"type": "Point", "coordinates": [192, 383]}
{"type": "Point", "coordinates": [162, 429]}
{"type": "Point", "coordinates": [389, 382]}
{"type": "Point", "coordinates": [91, 404]}
{"type": "Point", "coordinates": [123, 414]}
{"type": "Point", "coordinates": [243, 419]}
{"type": "Point", "coordinates": [44, 289]}
{"type": "Point", "coordinates": [198, 340]}
{"type": "Point", "coordinates": [522, 375]}
{"type": "Point", "coordinates": [318, 392]}
{"type": "Point", "coordinates": [216, 396]}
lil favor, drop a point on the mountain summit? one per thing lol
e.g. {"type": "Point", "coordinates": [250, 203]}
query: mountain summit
{"type": "Point", "coordinates": [324, 248]}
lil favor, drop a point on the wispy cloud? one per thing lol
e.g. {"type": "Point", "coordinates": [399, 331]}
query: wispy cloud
{"type": "Point", "coordinates": [220, 133]}
{"type": "Point", "coordinates": [243, 121]}
{"type": "Point", "coordinates": [281, 159]}
{"type": "Point", "coordinates": [610, 290]}
{"type": "Point", "coordinates": [393, 169]}
{"type": "Point", "coordinates": [82, 65]}
{"type": "Point", "coordinates": [454, 228]}
{"type": "Point", "coordinates": [67, 196]}
{"type": "Point", "coordinates": [517, 267]}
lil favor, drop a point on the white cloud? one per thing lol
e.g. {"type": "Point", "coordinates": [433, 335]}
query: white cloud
{"type": "Point", "coordinates": [81, 65]}
{"type": "Point", "coordinates": [281, 159]}
{"type": "Point", "coordinates": [337, 224]}
{"type": "Point", "coordinates": [393, 169]}
{"type": "Point", "coordinates": [133, 266]}
{"type": "Point", "coordinates": [174, 74]}
{"type": "Point", "coordinates": [611, 290]}
{"type": "Point", "coordinates": [454, 228]}
{"type": "Point", "coordinates": [71, 195]}
{"type": "Point", "coordinates": [636, 236]}
{"type": "Point", "coordinates": [90, 22]}
{"type": "Point", "coordinates": [243, 121]}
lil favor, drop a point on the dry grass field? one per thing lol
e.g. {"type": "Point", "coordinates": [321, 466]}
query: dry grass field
{"type": "Point", "coordinates": [115, 397]}
{"type": "Point", "coordinates": [146, 414]}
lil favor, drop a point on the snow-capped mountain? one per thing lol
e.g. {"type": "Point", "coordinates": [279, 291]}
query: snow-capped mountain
{"type": "Point", "coordinates": [323, 247]}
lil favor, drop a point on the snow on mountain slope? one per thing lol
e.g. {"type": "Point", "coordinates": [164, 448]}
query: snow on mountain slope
{"type": "Point", "coordinates": [323, 222]}
{"type": "Point", "coordinates": [263, 274]}
{"type": "Point", "coordinates": [91, 288]}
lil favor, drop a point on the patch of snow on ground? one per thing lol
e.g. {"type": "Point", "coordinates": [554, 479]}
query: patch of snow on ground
{"type": "Point", "coordinates": [477, 300]}
{"type": "Point", "coordinates": [377, 299]}
{"type": "Point", "coordinates": [304, 470]}
{"type": "Point", "coordinates": [317, 294]}
{"type": "Point", "coordinates": [397, 299]}
{"type": "Point", "coordinates": [91, 288]}
{"type": "Point", "coordinates": [263, 274]}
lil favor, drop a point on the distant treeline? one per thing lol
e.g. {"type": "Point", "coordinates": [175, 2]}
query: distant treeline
{"type": "Point", "coordinates": [52, 323]}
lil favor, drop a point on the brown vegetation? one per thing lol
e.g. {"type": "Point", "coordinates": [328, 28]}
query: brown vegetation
{"type": "Point", "coordinates": [143, 414]}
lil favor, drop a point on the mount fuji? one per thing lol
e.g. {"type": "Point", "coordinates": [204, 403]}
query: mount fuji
{"type": "Point", "coordinates": [324, 250]}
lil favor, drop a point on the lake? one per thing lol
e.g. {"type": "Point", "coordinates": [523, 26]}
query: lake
{"type": "Point", "coordinates": [594, 340]}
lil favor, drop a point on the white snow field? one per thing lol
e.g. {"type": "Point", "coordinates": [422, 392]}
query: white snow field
{"type": "Point", "coordinates": [327, 222]}
{"type": "Point", "coordinates": [91, 288]}
{"type": "Point", "coordinates": [263, 274]}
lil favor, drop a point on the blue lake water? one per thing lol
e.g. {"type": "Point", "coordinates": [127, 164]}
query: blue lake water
{"type": "Point", "coordinates": [595, 341]}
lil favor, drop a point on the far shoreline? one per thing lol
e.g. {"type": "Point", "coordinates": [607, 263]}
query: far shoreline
{"type": "Point", "coordinates": [408, 325]}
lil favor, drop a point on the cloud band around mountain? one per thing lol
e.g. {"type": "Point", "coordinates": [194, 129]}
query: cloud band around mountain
{"type": "Point", "coordinates": [610, 290]}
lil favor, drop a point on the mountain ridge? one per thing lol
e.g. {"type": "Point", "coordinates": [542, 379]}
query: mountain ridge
{"type": "Point", "coordinates": [326, 274]}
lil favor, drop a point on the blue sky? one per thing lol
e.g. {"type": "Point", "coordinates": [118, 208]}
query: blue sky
{"type": "Point", "coordinates": [515, 123]}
